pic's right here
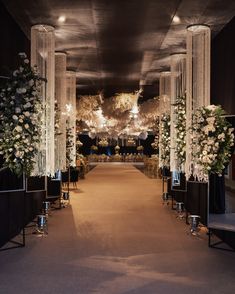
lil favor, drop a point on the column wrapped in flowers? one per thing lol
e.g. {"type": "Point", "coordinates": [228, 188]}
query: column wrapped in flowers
{"type": "Point", "coordinates": [180, 132]}
{"type": "Point", "coordinates": [164, 142]}
{"type": "Point", "coordinates": [212, 141]}
{"type": "Point", "coordinates": [20, 118]}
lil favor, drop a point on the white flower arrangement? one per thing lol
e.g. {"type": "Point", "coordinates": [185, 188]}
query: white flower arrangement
{"type": "Point", "coordinates": [180, 130]}
{"type": "Point", "coordinates": [20, 112]}
{"type": "Point", "coordinates": [212, 139]}
{"type": "Point", "coordinates": [164, 143]}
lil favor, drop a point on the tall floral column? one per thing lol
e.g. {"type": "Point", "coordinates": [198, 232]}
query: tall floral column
{"type": "Point", "coordinates": [198, 83]}
{"type": "Point", "coordinates": [43, 56]}
{"type": "Point", "coordinates": [71, 116]}
{"type": "Point", "coordinates": [60, 111]}
{"type": "Point", "coordinates": [164, 122]}
{"type": "Point", "coordinates": [178, 113]}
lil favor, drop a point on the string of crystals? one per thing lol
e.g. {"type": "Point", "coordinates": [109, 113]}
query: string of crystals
{"type": "Point", "coordinates": [164, 121]}
{"type": "Point", "coordinates": [43, 56]}
{"type": "Point", "coordinates": [178, 116]}
{"type": "Point", "coordinates": [71, 116]}
{"type": "Point", "coordinates": [60, 105]}
{"type": "Point", "coordinates": [197, 85]}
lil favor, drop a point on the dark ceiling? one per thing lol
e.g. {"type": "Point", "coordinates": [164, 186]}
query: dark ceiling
{"type": "Point", "coordinates": [117, 46]}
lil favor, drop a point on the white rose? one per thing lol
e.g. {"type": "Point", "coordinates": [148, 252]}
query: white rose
{"type": "Point", "coordinates": [212, 107]}
{"type": "Point", "coordinates": [17, 110]}
{"type": "Point", "coordinates": [26, 126]}
{"type": "Point", "coordinates": [31, 83]}
{"type": "Point", "coordinates": [23, 55]}
{"type": "Point", "coordinates": [27, 105]}
{"type": "Point", "coordinates": [15, 117]}
{"type": "Point", "coordinates": [18, 129]}
{"type": "Point", "coordinates": [15, 73]}
{"type": "Point", "coordinates": [27, 113]}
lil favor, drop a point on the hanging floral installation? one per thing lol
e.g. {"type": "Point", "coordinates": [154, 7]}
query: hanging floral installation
{"type": "Point", "coordinates": [213, 138]}
{"type": "Point", "coordinates": [180, 131]}
{"type": "Point", "coordinates": [20, 113]}
{"type": "Point", "coordinates": [164, 143]}
{"type": "Point", "coordinates": [87, 105]}
{"type": "Point", "coordinates": [117, 116]}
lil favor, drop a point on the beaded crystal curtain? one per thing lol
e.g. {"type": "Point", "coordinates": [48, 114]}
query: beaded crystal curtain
{"type": "Point", "coordinates": [164, 106]}
{"type": "Point", "coordinates": [43, 56]}
{"type": "Point", "coordinates": [197, 84]}
{"type": "Point", "coordinates": [60, 111]}
{"type": "Point", "coordinates": [71, 113]}
{"type": "Point", "coordinates": [178, 88]}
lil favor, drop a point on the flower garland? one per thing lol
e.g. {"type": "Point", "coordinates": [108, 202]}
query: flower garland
{"type": "Point", "coordinates": [212, 141]}
{"type": "Point", "coordinates": [69, 145]}
{"type": "Point", "coordinates": [180, 130]}
{"type": "Point", "coordinates": [20, 112]}
{"type": "Point", "coordinates": [164, 143]}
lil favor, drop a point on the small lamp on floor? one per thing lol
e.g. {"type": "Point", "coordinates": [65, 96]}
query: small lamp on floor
{"type": "Point", "coordinates": [180, 209]}
{"type": "Point", "coordinates": [41, 225]}
{"type": "Point", "coordinates": [194, 223]}
{"type": "Point", "coordinates": [46, 208]}
{"type": "Point", "coordinates": [66, 199]}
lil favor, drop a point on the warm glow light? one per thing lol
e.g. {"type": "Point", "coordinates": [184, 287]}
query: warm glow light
{"type": "Point", "coordinates": [176, 19]}
{"type": "Point", "coordinates": [135, 109]}
{"type": "Point", "coordinates": [68, 107]}
{"type": "Point", "coordinates": [62, 19]}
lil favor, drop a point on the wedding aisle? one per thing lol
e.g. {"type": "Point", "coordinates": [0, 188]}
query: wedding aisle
{"type": "Point", "coordinates": [116, 237]}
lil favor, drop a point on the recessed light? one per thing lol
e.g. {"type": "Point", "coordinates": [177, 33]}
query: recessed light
{"type": "Point", "coordinates": [176, 19]}
{"type": "Point", "coordinates": [62, 19]}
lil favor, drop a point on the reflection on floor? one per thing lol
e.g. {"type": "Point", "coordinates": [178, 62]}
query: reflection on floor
{"type": "Point", "coordinates": [116, 237]}
{"type": "Point", "coordinates": [224, 221]}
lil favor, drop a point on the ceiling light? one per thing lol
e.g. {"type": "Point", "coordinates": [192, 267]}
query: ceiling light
{"type": "Point", "coordinates": [176, 19]}
{"type": "Point", "coordinates": [62, 19]}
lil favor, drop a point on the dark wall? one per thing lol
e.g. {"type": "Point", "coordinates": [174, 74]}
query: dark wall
{"type": "Point", "coordinates": [13, 41]}
{"type": "Point", "coordinates": [223, 68]}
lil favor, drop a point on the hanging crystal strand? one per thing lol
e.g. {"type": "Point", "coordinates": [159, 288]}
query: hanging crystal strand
{"type": "Point", "coordinates": [197, 85]}
{"type": "Point", "coordinates": [43, 56]}
{"type": "Point", "coordinates": [60, 97]}
{"type": "Point", "coordinates": [71, 112]}
{"type": "Point", "coordinates": [178, 88]}
{"type": "Point", "coordinates": [164, 105]}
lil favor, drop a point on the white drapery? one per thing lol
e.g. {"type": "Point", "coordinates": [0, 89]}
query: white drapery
{"type": "Point", "coordinates": [43, 56]}
{"type": "Point", "coordinates": [71, 112]}
{"type": "Point", "coordinates": [178, 88]}
{"type": "Point", "coordinates": [61, 100]}
{"type": "Point", "coordinates": [197, 85]}
{"type": "Point", "coordinates": [164, 106]}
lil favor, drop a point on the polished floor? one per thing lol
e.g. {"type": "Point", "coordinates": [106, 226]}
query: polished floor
{"type": "Point", "coordinates": [116, 237]}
